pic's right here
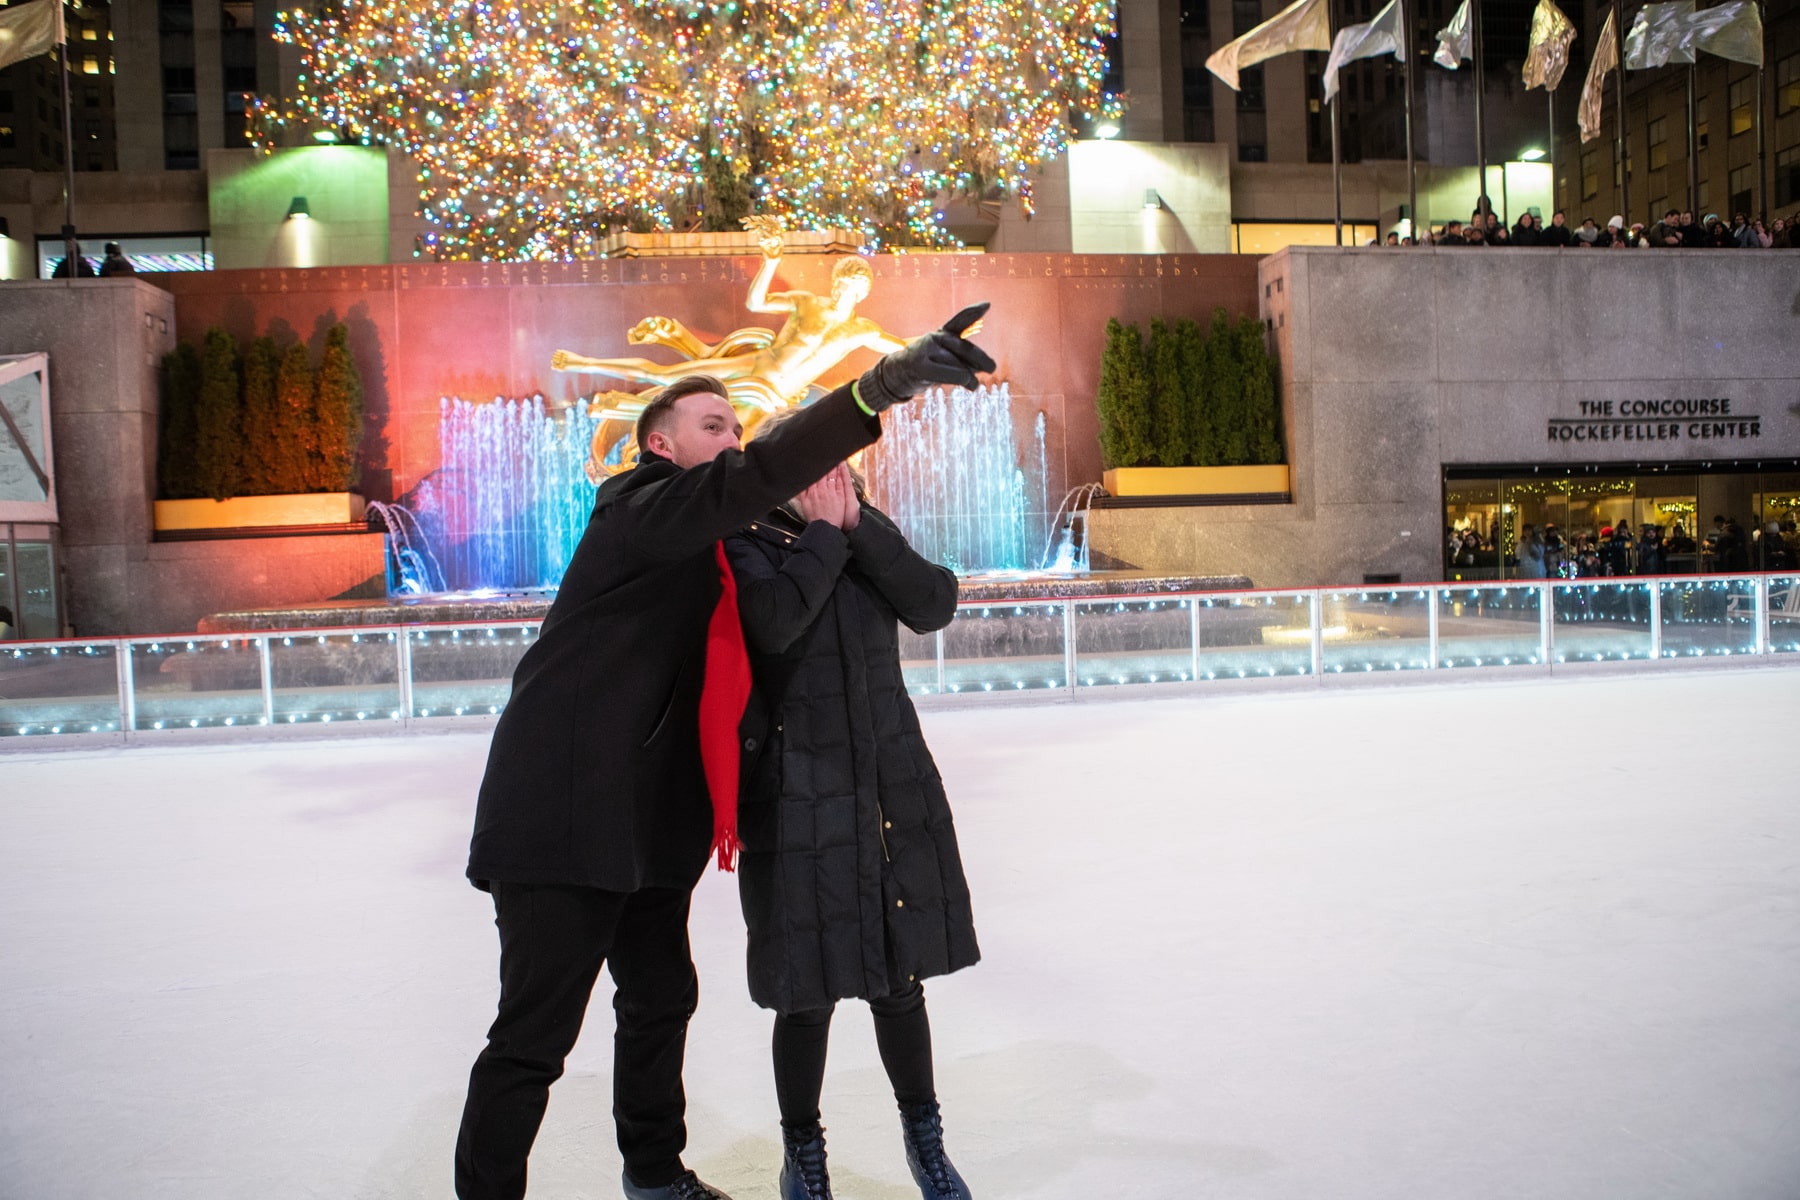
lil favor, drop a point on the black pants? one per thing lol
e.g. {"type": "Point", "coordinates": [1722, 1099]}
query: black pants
{"type": "Point", "coordinates": [902, 1035]}
{"type": "Point", "coordinates": [553, 941]}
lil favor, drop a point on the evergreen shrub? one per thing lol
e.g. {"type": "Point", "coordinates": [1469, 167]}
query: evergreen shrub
{"type": "Point", "coordinates": [1188, 399]}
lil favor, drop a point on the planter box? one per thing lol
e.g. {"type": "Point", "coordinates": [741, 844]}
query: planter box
{"type": "Point", "coordinates": [260, 512]}
{"type": "Point", "coordinates": [1261, 482]}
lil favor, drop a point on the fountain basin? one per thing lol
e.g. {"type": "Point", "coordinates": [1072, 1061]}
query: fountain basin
{"type": "Point", "coordinates": [532, 604]}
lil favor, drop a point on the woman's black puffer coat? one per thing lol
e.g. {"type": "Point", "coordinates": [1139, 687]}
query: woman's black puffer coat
{"type": "Point", "coordinates": [850, 878]}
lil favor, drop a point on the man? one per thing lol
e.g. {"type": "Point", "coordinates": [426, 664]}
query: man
{"type": "Point", "coordinates": [596, 817]}
{"type": "Point", "coordinates": [1557, 233]}
{"type": "Point", "coordinates": [1667, 232]}
{"type": "Point", "coordinates": [1693, 235]}
{"type": "Point", "coordinates": [115, 262]}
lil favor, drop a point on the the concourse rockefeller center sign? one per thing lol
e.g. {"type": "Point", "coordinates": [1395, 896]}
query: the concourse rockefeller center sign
{"type": "Point", "coordinates": [1708, 420]}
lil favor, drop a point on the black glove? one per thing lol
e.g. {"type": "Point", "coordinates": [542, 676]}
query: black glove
{"type": "Point", "coordinates": [943, 357]}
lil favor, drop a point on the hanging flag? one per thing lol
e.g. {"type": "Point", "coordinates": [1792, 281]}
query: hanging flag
{"type": "Point", "coordinates": [1674, 33]}
{"type": "Point", "coordinates": [30, 29]}
{"type": "Point", "coordinates": [1302, 25]}
{"type": "Point", "coordinates": [1383, 35]}
{"type": "Point", "coordinates": [1455, 40]}
{"type": "Point", "coordinates": [1660, 35]}
{"type": "Point", "coordinates": [1551, 35]}
{"type": "Point", "coordinates": [1731, 30]}
{"type": "Point", "coordinates": [1593, 92]}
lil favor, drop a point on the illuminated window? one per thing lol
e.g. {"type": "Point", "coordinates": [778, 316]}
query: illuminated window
{"type": "Point", "coordinates": [90, 34]}
{"type": "Point", "coordinates": [1743, 106]}
{"type": "Point", "coordinates": [90, 66]}
{"type": "Point", "coordinates": [1787, 85]}
{"type": "Point", "coordinates": [1590, 176]}
{"type": "Point", "coordinates": [1659, 145]}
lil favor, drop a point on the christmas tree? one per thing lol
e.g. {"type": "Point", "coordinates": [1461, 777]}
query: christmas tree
{"type": "Point", "coordinates": [539, 126]}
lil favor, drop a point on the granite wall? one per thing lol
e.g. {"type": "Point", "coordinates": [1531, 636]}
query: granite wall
{"type": "Point", "coordinates": [1396, 363]}
{"type": "Point", "coordinates": [481, 330]}
{"type": "Point", "coordinates": [105, 339]}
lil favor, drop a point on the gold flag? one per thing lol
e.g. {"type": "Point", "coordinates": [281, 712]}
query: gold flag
{"type": "Point", "coordinates": [1551, 35]}
{"type": "Point", "coordinates": [1302, 25]}
{"type": "Point", "coordinates": [1593, 92]}
{"type": "Point", "coordinates": [29, 29]}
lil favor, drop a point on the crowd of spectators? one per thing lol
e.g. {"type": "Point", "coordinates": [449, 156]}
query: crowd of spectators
{"type": "Point", "coordinates": [1676, 229]}
{"type": "Point", "coordinates": [1615, 550]}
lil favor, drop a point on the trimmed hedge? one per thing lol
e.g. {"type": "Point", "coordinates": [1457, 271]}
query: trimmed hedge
{"type": "Point", "coordinates": [1186, 399]}
{"type": "Point", "coordinates": [258, 423]}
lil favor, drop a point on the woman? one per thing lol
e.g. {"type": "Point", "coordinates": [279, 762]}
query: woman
{"type": "Point", "coordinates": [850, 878]}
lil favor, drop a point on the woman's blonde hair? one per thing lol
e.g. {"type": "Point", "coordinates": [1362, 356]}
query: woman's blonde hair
{"type": "Point", "coordinates": [789, 413]}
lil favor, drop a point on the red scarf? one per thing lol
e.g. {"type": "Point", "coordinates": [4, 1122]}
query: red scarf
{"type": "Point", "coordinates": [723, 695]}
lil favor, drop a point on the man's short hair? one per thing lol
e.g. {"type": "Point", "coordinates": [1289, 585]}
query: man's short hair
{"type": "Point", "coordinates": [661, 410]}
{"type": "Point", "coordinates": [113, 248]}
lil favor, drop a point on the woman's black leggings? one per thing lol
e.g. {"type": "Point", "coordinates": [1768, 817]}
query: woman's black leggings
{"type": "Point", "coordinates": [902, 1034]}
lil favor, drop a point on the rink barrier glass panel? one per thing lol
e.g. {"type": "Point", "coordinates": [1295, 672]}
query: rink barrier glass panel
{"type": "Point", "coordinates": [1603, 620]}
{"type": "Point", "coordinates": [58, 687]}
{"type": "Point", "coordinates": [1143, 639]}
{"type": "Point", "coordinates": [1486, 626]}
{"type": "Point", "coordinates": [1001, 647]}
{"type": "Point", "coordinates": [330, 676]}
{"type": "Point", "coordinates": [197, 682]}
{"type": "Point", "coordinates": [402, 675]}
{"type": "Point", "coordinates": [1707, 616]}
{"type": "Point", "coordinates": [1782, 609]}
{"type": "Point", "coordinates": [465, 670]}
{"type": "Point", "coordinates": [1376, 629]}
{"type": "Point", "coordinates": [1254, 635]}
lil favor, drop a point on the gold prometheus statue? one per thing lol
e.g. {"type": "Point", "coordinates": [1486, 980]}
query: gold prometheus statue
{"type": "Point", "coordinates": [763, 370]}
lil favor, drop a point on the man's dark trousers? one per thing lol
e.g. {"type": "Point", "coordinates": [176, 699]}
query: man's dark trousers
{"type": "Point", "coordinates": [553, 940]}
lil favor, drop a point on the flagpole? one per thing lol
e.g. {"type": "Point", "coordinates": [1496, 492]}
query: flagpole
{"type": "Point", "coordinates": [1550, 95]}
{"type": "Point", "coordinates": [1762, 106]}
{"type": "Point", "coordinates": [1337, 175]}
{"type": "Point", "coordinates": [1693, 148]}
{"type": "Point", "coordinates": [1412, 170]}
{"type": "Point", "coordinates": [1483, 204]}
{"type": "Point", "coordinates": [1618, 8]}
{"type": "Point", "coordinates": [71, 246]}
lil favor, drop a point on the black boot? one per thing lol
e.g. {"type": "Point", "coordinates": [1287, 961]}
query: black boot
{"type": "Point", "coordinates": [803, 1175]}
{"type": "Point", "coordinates": [931, 1168]}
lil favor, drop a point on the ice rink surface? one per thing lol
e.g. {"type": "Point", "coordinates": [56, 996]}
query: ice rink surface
{"type": "Point", "coordinates": [1461, 941]}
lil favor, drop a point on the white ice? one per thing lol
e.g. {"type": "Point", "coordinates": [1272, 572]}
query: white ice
{"type": "Point", "coordinates": [1462, 941]}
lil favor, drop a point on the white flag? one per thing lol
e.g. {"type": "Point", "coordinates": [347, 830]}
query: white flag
{"type": "Point", "coordinates": [1593, 92]}
{"type": "Point", "coordinates": [1660, 35]}
{"type": "Point", "coordinates": [1731, 30]}
{"type": "Point", "coordinates": [1455, 40]}
{"type": "Point", "coordinates": [1673, 32]}
{"type": "Point", "coordinates": [1383, 35]}
{"type": "Point", "coordinates": [1302, 25]}
{"type": "Point", "coordinates": [30, 29]}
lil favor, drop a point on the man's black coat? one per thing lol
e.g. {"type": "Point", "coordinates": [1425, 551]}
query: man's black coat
{"type": "Point", "coordinates": [594, 775]}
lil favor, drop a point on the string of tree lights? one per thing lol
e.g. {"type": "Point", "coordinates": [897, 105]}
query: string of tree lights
{"type": "Point", "coordinates": [540, 126]}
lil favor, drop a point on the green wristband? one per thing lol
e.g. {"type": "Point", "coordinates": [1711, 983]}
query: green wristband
{"type": "Point", "coordinates": [856, 395]}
